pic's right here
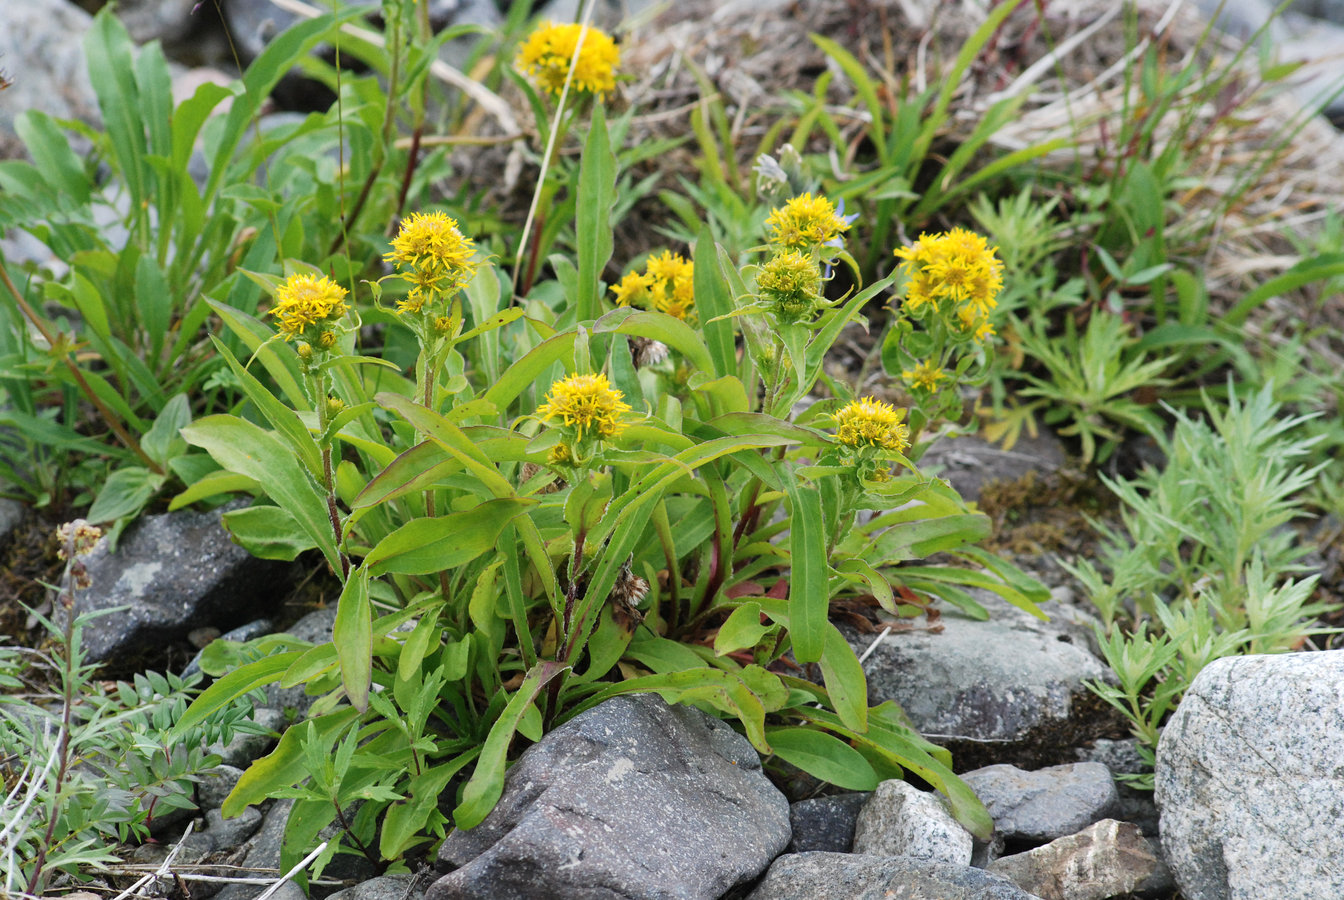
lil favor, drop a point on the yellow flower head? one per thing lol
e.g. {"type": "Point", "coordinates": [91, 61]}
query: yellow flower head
{"type": "Point", "coordinates": [957, 268]}
{"type": "Point", "coordinates": [430, 252]}
{"type": "Point", "coordinates": [806, 223]}
{"type": "Point", "coordinates": [546, 56]}
{"type": "Point", "coordinates": [791, 283]}
{"type": "Point", "coordinates": [586, 403]}
{"type": "Point", "coordinates": [666, 285]}
{"type": "Point", "coordinates": [633, 289]}
{"type": "Point", "coordinates": [924, 376]}
{"type": "Point", "coordinates": [305, 300]}
{"type": "Point", "coordinates": [871, 423]}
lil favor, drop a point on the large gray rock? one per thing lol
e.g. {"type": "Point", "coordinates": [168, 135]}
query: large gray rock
{"type": "Point", "coordinates": [970, 462]}
{"type": "Point", "coordinates": [1045, 804]}
{"type": "Point", "coordinates": [852, 876]}
{"type": "Point", "coordinates": [41, 51]}
{"type": "Point", "coordinates": [901, 820]}
{"type": "Point", "coordinates": [1250, 779]}
{"type": "Point", "coordinates": [1106, 859]}
{"type": "Point", "coordinates": [173, 573]}
{"type": "Point", "coordinates": [165, 20]}
{"type": "Point", "coordinates": [632, 799]}
{"type": "Point", "coordinates": [1010, 689]}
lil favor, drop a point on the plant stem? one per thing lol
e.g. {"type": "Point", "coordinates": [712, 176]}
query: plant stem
{"type": "Point", "coordinates": [319, 389]}
{"type": "Point", "coordinates": [112, 422]}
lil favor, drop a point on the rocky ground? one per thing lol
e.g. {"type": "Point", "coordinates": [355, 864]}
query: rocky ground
{"type": "Point", "coordinates": [635, 799]}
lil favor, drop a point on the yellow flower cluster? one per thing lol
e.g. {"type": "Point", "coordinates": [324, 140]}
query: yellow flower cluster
{"type": "Point", "coordinates": [806, 224]}
{"type": "Point", "coordinates": [304, 301]}
{"type": "Point", "coordinates": [924, 376]}
{"type": "Point", "coordinates": [586, 403]}
{"type": "Point", "coordinates": [667, 285]}
{"type": "Point", "coordinates": [955, 274]}
{"type": "Point", "coordinates": [434, 256]}
{"type": "Point", "coordinates": [871, 423]}
{"type": "Point", "coordinates": [790, 283]}
{"type": "Point", "coordinates": [546, 55]}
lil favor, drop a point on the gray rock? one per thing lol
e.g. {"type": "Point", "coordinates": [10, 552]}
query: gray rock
{"type": "Point", "coordinates": [173, 572]}
{"type": "Point", "coordinates": [228, 834]}
{"type": "Point", "coordinates": [385, 887]}
{"type": "Point", "coordinates": [262, 851]}
{"type": "Point", "coordinates": [1250, 784]}
{"type": "Point", "coordinates": [246, 746]}
{"type": "Point", "coordinates": [1010, 689]}
{"type": "Point", "coordinates": [901, 820]}
{"type": "Point", "coordinates": [1122, 758]}
{"type": "Point", "coordinates": [631, 799]}
{"type": "Point", "coordinates": [1107, 859]}
{"type": "Point", "coordinates": [852, 876]}
{"type": "Point", "coordinates": [216, 784]}
{"type": "Point", "coordinates": [825, 823]}
{"type": "Point", "coordinates": [1045, 804]}
{"type": "Point", "coordinates": [164, 20]}
{"type": "Point", "coordinates": [11, 514]}
{"type": "Point", "coordinates": [970, 463]}
{"type": "Point", "coordinates": [41, 51]}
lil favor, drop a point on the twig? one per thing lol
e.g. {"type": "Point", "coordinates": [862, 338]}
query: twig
{"type": "Point", "coordinates": [161, 871]}
{"type": "Point", "coordinates": [873, 646]}
{"type": "Point", "coordinates": [302, 864]}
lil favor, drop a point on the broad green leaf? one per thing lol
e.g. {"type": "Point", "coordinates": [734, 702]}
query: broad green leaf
{"type": "Point", "coordinates": [267, 532]}
{"type": "Point", "coordinates": [352, 634]}
{"type": "Point", "coordinates": [425, 546]}
{"type": "Point", "coordinates": [823, 756]}
{"type": "Point", "coordinates": [162, 442]}
{"type": "Point", "coordinates": [220, 481]}
{"type": "Point", "coordinates": [404, 821]}
{"type": "Point", "coordinates": [285, 766]}
{"type": "Point", "coordinates": [740, 630]}
{"type": "Point", "coordinates": [240, 446]}
{"type": "Point", "coordinates": [809, 594]}
{"type": "Point", "coordinates": [232, 686]}
{"type": "Point", "coordinates": [529, 367]}
{"type": "Point", "coordinates": [713, 300]}
{"type": "Point", "coordinates": [597, 196]}
{"type": "Point", "coordinates": [659, 327]}
{"type": "Point", "coordinates": [283, 419]}
{"type": "Point", "coordinates": [125, 493]}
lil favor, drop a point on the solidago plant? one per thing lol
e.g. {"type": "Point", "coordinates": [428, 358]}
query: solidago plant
{"type": "Point", "coordinates": [584, 491]}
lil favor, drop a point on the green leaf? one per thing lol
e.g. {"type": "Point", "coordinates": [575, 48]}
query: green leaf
{"type": "Point", "coordinates": [240, 446]}
{"type": "Point", "coordinates": [597, 197]}
{"type": "Point", "coordinates": [125, 493]}
{"type": "Point", "coordinates": [352, 634]}
{"type": "Point", "coordinates": [659, 327]}
{"type": "Point", "coordinates": [107, 49]}
{"type": "Point", "coordinates": [809, 595]}
{"type": "Point", "coordinates": [286, 765]}
{"type": "Point", "coordinates": [742, 629]}
{"type": "Point", "coordinates": [845, 680]}
{"type": "Point", "coordinates": [426, 546]}
{"type": "Point", "coordinates": [712, 300]}
{"type": "Point", "coordinates": [283, 419]}
{"type": "Point", "coordinates": [51, 154]}
{"type": "Point", "coordinates": [267, 532]}
{"type": "Point", "coordinates": [823, 756]}
{"type": "Point", "coordinates": [558, 348]}
{"type": "Point", "coordinates": [487, 781]}
{"type": "Point", "coordinates": [212, 484]}
{"type": "Point", "coordinates": [406, 819]}
{"type": "Point", "coordinates": [162, 442]}
{"type": "Point", "coordinates": [232, 686]}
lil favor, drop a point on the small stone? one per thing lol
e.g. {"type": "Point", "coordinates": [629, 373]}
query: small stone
{"type": "Point", "coordinates": [1045, 804]}
{"type": "Point", "coordinates": [901, 820]}
{"type": "Point", "coordinates": [1107, 859]}
{"type": "Point", "coordinates": [1250, 783]}
{"type": "Point", "coordinates": [215, 785]}
{"type": "Point", "coordinates": [385, 887]}
{"type": "Point", "coordinates": [825, 823]}
{"type": "Point", "coordinates": [852, 876]}
{"type": "Point", "coordinates": [11, 514]}
{"type": "Point", "coordinates": [262, 851]}
{"type": "Point", "coordinates": [228, 834]}
{"type": "Point", "coordinates": [970, 462]}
